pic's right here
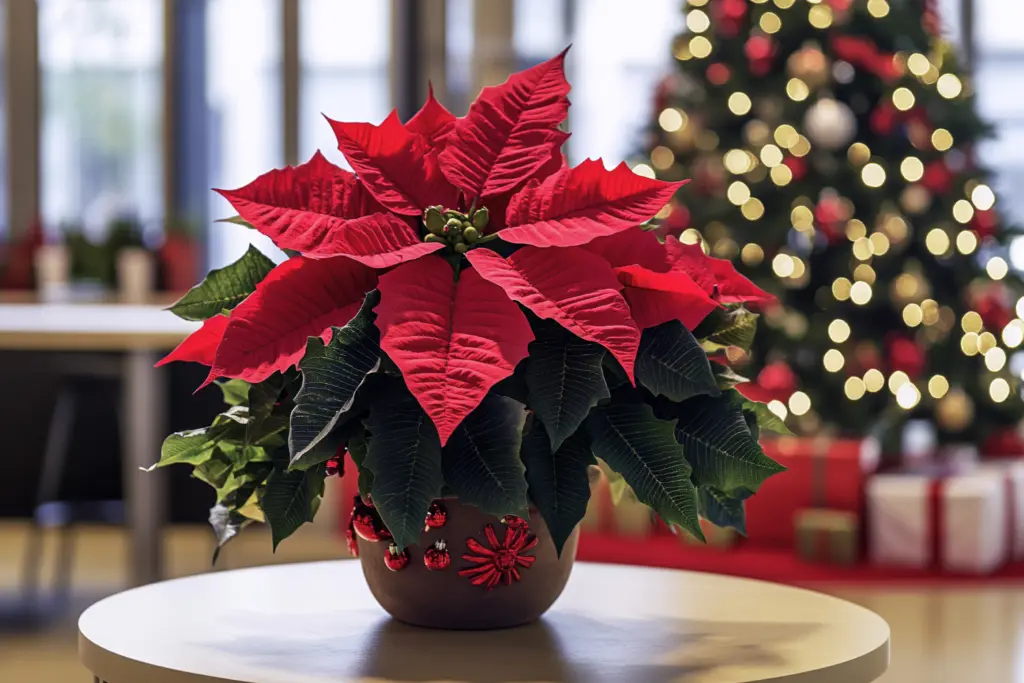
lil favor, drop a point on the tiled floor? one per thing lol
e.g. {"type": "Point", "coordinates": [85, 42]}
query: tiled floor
{"type": "Point", "coordinates": [939, 635]}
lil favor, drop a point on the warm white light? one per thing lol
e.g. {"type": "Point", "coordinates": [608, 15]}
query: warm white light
{"type": "Point", "coordinates": [782, 264]}
{"type": "Point", "coordinates": [874, 380]}
{"type": "Point", "coordinates": [697, 21]}
{"type": "Point", "coordinates": [949, 86]}
{"type": "Point", "coordinates": [873, 175]}
{"type": "Point", "coordinates": [983, 197]}
{"type": "Point", "coordinates": [799, 403]}
{"type": "Point", "coordinates": [938, 386]}
{"type": "Point", "coordinates": [908, 396]}
{"type": "Point", "coordinates": [778, 407]}
{"type": "Point", "coordinates": [700, 47]}
{"type": "Point", "coordinates": [838, 330]}
{"type": "Point", "coordinates": [739, 103]}
{"type": "Point", "coordinates": [903, 99]}
{"type": "Point", "coordinates": [833, 360]}
{"type": "Point", "coordinates": [671, 120]}
{"type": "Point", "coordinates": [912, 169]}
{"type": "Point", "coordinates": [897, 380]}
{"type": "Point", "coordinates": [644, 170]}
{"type": "Point", "coordinates": [738, 193]}
{"type": "Point", "coordinates": [854, 388]}
{"type": "Point", "coordinates": [797, 90]}
{"type": "Point", "coordinates": [860, 293]}
{"type": "Point", "coordinates": [966, 242]}
{"type": "Point", "coordinates": [771, 156]}
{"type": "Point", "coordinates": [995, 359]}
{"type": "Point", "coordinates": [942, 139]}
{"type": "Point", "coordinates": [999, 390]}
{"type": "Point", "coordinates": [963, 212]}
{"type": "Point", "coordinates": [1013, 334]}
{"type": "Point", "coordinates": [997, 268]}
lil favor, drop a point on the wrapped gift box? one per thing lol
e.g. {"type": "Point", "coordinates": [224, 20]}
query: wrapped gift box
{"type": "Point", "coordinates": [821, 473]}
{"type": "Point", "coordinates": [831, 536]}
{"type": "Point", "coordinates": [956, 522]}
{"type": "Point", "coordinates": [1011, 474]}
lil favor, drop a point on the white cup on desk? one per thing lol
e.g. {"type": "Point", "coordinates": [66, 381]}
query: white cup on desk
{"type": "Point", "coordinates": [136, 273]}
{"type": "Point", "coordinates": [53, 270]}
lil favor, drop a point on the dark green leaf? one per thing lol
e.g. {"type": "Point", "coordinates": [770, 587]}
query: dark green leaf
{"type": "Point", "coordinates": [267, 418]}
{"type": "Point", "coordinates": [481, 459]}
{"type": "Point", "coordinates": [644, 450]}
{"type": "Point", "coordinates": [672, 363]}
{"type": "Point", "coordinates": [215, 471]}
{"type": "Point", "coordinates": [721, 509]}
{"type": "Point", "coordinates": [565, 380]}
{"type": "Point", "coordinates": [726, 377]}
{"type": "Point", "coordinates": [236, 391]}
{"type": "Point", "coordinates": [331, 375]}
{"type": "Point", "coordinates": [357, 448]}
{"type": "Point", "coordinates": [289, 500]}
{"type": "Point", "coordinates": [558, 482]}
{"type": "Point", "coordinates": [719, 446]}
{"type": "Point", "coordinates": [735, 327]}
{"type": "Point", "coordinates": [404, 456]}
{"type": "Point", "coordinates": [224, 288]}
{"type": "Point", "coordinates": [514, 386]}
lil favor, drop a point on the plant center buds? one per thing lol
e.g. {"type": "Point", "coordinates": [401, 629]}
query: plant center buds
{"type": "Point", "coordinates": [457, 230]}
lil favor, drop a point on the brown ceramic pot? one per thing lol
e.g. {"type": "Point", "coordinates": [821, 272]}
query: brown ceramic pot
{"type": "Point", "coordinates": [490, 582]}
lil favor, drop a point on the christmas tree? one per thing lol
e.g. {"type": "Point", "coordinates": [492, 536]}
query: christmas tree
{"type": "Point", "coordinates": [831, 146]}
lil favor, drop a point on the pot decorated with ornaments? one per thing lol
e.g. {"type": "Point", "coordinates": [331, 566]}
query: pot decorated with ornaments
{"type": "Point", "coordinates": [465, 326]}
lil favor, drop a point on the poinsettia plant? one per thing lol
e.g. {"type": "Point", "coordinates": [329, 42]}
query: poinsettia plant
{"type": "Point", "coordinates": [466, 315]}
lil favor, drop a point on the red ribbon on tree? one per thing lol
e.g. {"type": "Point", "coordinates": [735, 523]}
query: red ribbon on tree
{"type": "Point", "coordinates": [864, 54]}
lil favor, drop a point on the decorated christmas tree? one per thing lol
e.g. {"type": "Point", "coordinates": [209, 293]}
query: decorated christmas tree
{"type": "Point", "coordinates": [832, 150]}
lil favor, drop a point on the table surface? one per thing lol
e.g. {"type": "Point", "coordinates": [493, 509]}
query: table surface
{"type": "Point", "coordinates": [90, 327]}
{"type": "Point", "coordinates": [314, 623]}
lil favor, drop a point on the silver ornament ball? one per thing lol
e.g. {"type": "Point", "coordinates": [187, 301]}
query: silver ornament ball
{"type": "Point", "coordinates": [830, 124]}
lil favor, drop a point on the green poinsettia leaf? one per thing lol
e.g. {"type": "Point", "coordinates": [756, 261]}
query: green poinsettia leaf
{"type": "Point", "coordinates": [224, 288]}
{"type": "Point", "coordinates": [719, 446]}
{"type": "Point", "coordinates": [226, 524]}
{"type": "Point", "coordinates": [268, 418]}
{"type": "Point", "coordinates": [215, 471]}
{"type": "Point", "coordinates": [235, 220]}
{"type": "Point", "coordinates": [722, 509]}
{"type": "Point", "coordinates": [290, 500]}
{"type": "Point", "coordinates": [357, 448]}
{"type": "Point", "coordinates": [403, 454]}
{"type": "Point", "coordinates": [762, 416]}
{"type": "Point", "coordinates": [733, 327]}
{"type": "Point", "coordinates": [331, 376]}
{"type": "Point", "coordinates": [559, 484]}
{"type": "Point", "coordinates": [192, 447]}
{"type": "Point", "coordinates": [565, 380]}
{"type": "Point", "coordinates": [726, 377]}
{"type": "Point", "coordinates": [233, 416]}
{"type": "Point", "coordinates": [644, 450]}
{"type": "Point", "coordinates": [236, 391]}
{"type": "Point", "coordinates": [481, 459]}
{"type": "Point", "coordinates": [672, 363]}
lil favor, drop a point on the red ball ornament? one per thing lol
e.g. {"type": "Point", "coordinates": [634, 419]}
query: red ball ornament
{"type": "Point", "coordinates": [759, 50]}
{"type": "Point", "coordinates": [437, 558]}
{"type": "Point", "coordinates": [350, 540]}
{"type": "Point", "coordinates": [437, 517]}
{"type": "Point", "coordinates": [883, 118]}
{"type": "Point", "coordinates": [729, 16]}
{"type": "Point", "coordinates": [866, 357]}
{"type": "Point", "coordinates": [514, 522]}
{"type": "Point", "coordinates": [368, 527]}
{"type": "Point", "coordinates": [718, 73]}
{"type": "Point", "coordinates": [394, 559]}
{"type": "Point", "coordinates": [937, 177]}
{"type": "Point", "coordinates": [830, 216]}
{"type": "Point", "coordinates": [985, 222]}
{"type": "Point", "coordinates": [797, 166]}
{"type": "Point", "coordinates": [907, 355]}
{"type": "Point", "coordinates": [994, 307]}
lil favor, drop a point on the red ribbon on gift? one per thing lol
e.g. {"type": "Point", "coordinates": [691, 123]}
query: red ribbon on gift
{"type": "Point", "coordinates": [937, 520]}
{"type": "Point", "coordinates": [1011, 517]}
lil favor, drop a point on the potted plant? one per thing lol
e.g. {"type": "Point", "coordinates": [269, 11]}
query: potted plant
{"type": "Point", "coordinates": [474, 323]}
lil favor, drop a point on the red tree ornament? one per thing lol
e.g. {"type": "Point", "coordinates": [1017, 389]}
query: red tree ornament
{"type": "Point", "coordinates": [718, 73]}
{"type": "Point", "coordinates": [776, 382]}
{"type": "Point", "coordinates": [729, 16]}
{"type": "Point", "coordinates": [367, 523]}
{"type": "Point", "coordinates": [759, 50]}
{"type": "Point", "coordinates": [333, 467]}
{"type": "Point", "coordinates": [797, 166]}
{"type": "Point", "coordinates": [937, 177]}
{"type": "Point", "coordinates": [501, 563]}
{"type": "Point", "coordinates": [437, 516]}
{"type": "Point", "coordinates": [985, 222]}
{"type": "Point", "coordinates": [907, 355]}
{"type": "Point", "coordinates": [436, 557]}
{"type": "Point", "coordinates": [395, 559]}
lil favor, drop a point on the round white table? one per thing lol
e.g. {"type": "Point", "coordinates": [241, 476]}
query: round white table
{"type": "Point", "coordinates": [314, 623]}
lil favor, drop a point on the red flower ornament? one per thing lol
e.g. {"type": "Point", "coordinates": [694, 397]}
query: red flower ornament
{"type": "Point", "coordinates": [501, 562]}
{"type": "Point", "coordinates": [424, 194]}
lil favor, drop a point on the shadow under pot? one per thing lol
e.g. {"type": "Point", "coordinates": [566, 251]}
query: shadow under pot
{"type": "Point", "coordinates": [468, 571]}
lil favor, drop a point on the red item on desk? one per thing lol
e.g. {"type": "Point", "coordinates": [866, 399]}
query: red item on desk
{"type": "Point", "coordinates": [821, 473]}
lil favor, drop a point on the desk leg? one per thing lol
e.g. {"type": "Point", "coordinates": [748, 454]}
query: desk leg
{"type": "Point", "coordinates": [142, 432]}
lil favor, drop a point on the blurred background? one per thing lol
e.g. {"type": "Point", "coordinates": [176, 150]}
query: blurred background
{"type": "Point", "coordinates": [118, 116]}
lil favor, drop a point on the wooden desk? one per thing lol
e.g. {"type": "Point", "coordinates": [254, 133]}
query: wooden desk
{"type": "Point", "coordinates": [142, 334]}
{"type": "Point", "coordinates": [318, 623]}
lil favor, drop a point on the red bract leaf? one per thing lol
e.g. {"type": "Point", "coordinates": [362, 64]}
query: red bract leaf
{"type": "Point", "coordinates": [655, 298]}
{"type": "Point", "coordinates": [631, 247]}
{"type": "Point", "coordinates": [571, 286]}
{"type": "Point", "coordinates": [322, 210]}
{"type": "Point", "coordinates": [201, 345]}
{"type": "Point", "coordinates": [717, 277]}
{"type": "Point", "coordinates": [394, 165]}
{"type": "Point", "coordinates": [575, 205]}
{"type": "Point", "coordinates": [452, 341]}
{"type": "Point", "coordinates": [301, 298]}
{"type": "Point", "coordinates": [498, 204]}
{"type": "Point", "coordinates": [509, 132]}
{"type": "Point", "coordinates": [432, 121]}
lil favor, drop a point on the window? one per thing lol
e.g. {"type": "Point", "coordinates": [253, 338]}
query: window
{"type": "Point", "coordinates": [618, 56]}
{"type": "Point", "coordinates": [243, 94]}
{"type": "Point", "coordinates": [101, 65]}
{"type": "Point", "coordinates": [344, 50]}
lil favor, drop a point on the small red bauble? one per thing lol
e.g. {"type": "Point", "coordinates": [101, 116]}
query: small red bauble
{"type": "Point", "coordinates": [437, 517]}
{"type": "Point", "coordinates": [985, 222]}
{"type": "Point", "coordinates": [718, 73]}
{"type": "Point", "coordinates": [797, 166]}
{"type": "Point", "coordinates": [437, 558]}
{"type": "Point", "coordinates": [937, 177]}
{"type": "Point", "coordinates": [907, 355]}
{"type": "Point", "coordinates": [394, 559]}
{"type": "Point", "coordinates": [883, 118]}
{"type": "Point", "coordinates": [350, 540]}
{"type": "Point", "coordinates": [759, 51]}
{"type": "Point", "coordinates": [368, 527]}
{"type": "Point", "coordinates": [515, 522]}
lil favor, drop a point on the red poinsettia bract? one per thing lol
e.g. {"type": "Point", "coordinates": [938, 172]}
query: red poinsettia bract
{"type": "Point", "coordinates": [453, 326]}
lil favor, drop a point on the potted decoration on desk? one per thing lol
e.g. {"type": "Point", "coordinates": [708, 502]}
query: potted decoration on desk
{"type": "Point", "coordinates": [475, 323]}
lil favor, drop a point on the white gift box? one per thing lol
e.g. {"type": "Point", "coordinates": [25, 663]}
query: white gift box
{"type": "Point", "coordinates": [957, 522]}
{"type": "Point", "coordinates": [1011, 474]}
